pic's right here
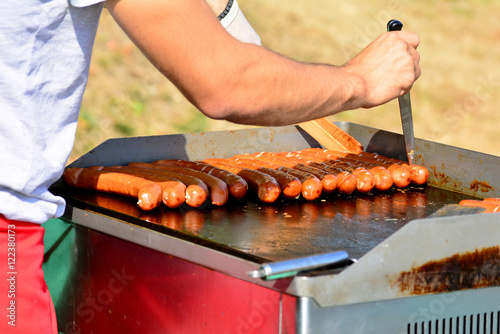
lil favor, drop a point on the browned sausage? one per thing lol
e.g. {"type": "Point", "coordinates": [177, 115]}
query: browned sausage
{"type": "Point", "coordinates": [346, 182]}
{"type": "Point", "coordinates": [492, 200]}
{"type": "Point", "coordinates": [224, 164]}
{"type": "Point", "coordinates": [251, 160]}
{"type": "Point", "coordinates": [364, 180]}
{"type": "Point", "coordinates": [266, 187]}
{"type": "Point", "coordinates": [219, 193]}
{"type": "Point", "coordinates": [419, 174]}
{"type": "Point", "coordinates": [236, 184]}
{"type": "Point", "coordinates": [308, 187]}
{"type": "Point", "coordinates": [311, 185]}
{"type": "Point", "coordinates": [196, 191]}
{"type": "Point", "coordinates": [400, 176]}
{"type": "Point", "coordinates": [488, 206]}
{"type": "Point", "coordinates": [328, 181]}
{"type": "Point", "coordinates": [173, 191]}
{"type": "Point", "coordinates": [291, 187]}
{"type": "Point", "coordinates": [383, 178]}
{"type": "Point", "coordinates": [273, 159]}
{"type": "Point", "coordinates": [148, 193]}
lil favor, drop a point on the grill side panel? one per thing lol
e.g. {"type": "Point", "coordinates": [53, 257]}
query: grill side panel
{"type": "Point", "coordinates": [460, 312]}
{"type": "Point", "coordinates": [479, 323]}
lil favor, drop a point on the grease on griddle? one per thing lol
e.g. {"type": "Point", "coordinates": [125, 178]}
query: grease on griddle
{"type": "Point", "coordinates": [469, 270]}
{"type": "Point", "coordinates": [482, 186]}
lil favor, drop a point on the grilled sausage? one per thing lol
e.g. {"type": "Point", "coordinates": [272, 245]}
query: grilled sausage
{"type": "Point", "coordinates": [251, 160]}
{"type": "Point", "coordinates": [311, 185]}
{"type": "Point", "coordinates": [236, 184]}
{"type": "Point", "coordinates": [219, 193]}
{"type": "Point", "coordinates": [148, 193]}
{"type": "Point", "coordinates": [364, 179]}
{"type": "Point", "coordinates": [382, 177]}
{"type": "Point", "coordinates": [346, 182]}
{"type": "Point", "coordinates": [290, 186]}
{"type": "Point", "coordinates": [328, 181]}
{"type": "Point", "coordinates": [309, 182]}
{"type": "Point", "coordinates": [400, 176]}
{"type": "Point", "coordinates": [173, 191]}
{"type": "Point", "coordinates": [196, 191]}
{"type": "Point", "coordinates": [419, 174]}
{"type": "Point", "coordinates": [492, 200]}
{"type": "Point", "coordinates": [266, 187]}
{"type": "Point", "coordinates": [489, 207]}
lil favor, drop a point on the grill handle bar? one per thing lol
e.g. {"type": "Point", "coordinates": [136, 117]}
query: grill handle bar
{"type": "Point", "coordinates": [275, 270]}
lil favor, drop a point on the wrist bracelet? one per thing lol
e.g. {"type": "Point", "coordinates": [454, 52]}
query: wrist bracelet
{"type": "Point", "coordinates": [226, 10]}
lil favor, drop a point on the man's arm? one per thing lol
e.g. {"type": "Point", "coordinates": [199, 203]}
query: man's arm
{"type": "Point", "coordinates": [248, 84]}
{"type": "Point", "coordinates": [217, 6]}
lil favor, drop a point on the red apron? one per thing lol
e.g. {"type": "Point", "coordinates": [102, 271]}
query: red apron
{"type": "Point", "coordinates": [25, 303]}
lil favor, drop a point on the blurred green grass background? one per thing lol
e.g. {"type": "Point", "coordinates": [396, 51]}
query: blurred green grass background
{"type": "Point", "coordinates": [454, 102]}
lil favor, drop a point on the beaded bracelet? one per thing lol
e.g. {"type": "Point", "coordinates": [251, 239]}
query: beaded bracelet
{"type": "Point", "coordinates": [226, 10]}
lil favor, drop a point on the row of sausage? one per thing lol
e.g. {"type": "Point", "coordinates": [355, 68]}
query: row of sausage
{"type": "Point", "coordinates": [306, 174]}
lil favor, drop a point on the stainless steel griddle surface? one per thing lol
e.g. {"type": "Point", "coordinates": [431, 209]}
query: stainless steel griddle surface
{"type": "Point", "coordinates": [286, 229]}
{"type": "Point", "coordinates": [289, 229]}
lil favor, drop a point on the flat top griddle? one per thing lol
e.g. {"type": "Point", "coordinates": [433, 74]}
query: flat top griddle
{"type": "Point", "coordinates": [391, 233]}
{"type": "Point", "coordinates": [285, 229]}
{"type": "Point", "coordinates": [289, 228]}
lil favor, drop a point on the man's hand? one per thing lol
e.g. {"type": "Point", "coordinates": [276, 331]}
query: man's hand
{"type": "Point", "coordinates": [388, 67]}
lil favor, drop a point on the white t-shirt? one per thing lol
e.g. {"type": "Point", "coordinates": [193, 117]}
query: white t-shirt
{"type": "Point", "coordinates": [45, 54]}
{"type": "Point", "coordinates": [46, 48]}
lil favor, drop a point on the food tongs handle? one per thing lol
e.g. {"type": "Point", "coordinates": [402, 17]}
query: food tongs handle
{"type": "Point", "coordinates": [287, 268]}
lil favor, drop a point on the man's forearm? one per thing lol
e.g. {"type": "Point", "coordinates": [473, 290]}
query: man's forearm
{"type": "Point", "coordinates": [273, 90]}
{"type": "Point", "coordinates": [245, 83]}
{"type": "Point", "coordinates": [217, 6]}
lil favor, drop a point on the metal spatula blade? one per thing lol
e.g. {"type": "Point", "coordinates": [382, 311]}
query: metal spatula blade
{"type": "Point", "coordinates": [405, 108]}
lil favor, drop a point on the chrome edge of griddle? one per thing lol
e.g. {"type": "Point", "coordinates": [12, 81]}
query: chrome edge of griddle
{"type": "Point", "coordinates": [281, 269]}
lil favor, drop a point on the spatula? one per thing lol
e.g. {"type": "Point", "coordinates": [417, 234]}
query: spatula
{"type": "Point", "coordinates": [330, 136]}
